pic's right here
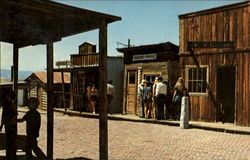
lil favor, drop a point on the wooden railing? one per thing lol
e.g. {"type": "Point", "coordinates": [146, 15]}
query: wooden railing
{"type": "Point", "coordinates": [85, 60]}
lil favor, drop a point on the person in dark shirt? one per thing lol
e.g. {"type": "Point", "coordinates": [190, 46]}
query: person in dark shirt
{"type": "Point", "coordinates": [9, 122]}
{"type": "Point", "coordinates": [33, 123]}
{"type": "Point", "coordinates": [147, 100]}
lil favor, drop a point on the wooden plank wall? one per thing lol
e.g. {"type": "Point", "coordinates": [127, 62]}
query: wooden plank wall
{"type": "Point", "coordinates": [224, 25]}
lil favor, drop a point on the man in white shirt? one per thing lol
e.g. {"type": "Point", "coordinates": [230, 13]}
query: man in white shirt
{"type": "Point", "coordinates": [110, 93]}
{"type": "Point", "coordinates": [160, 93]}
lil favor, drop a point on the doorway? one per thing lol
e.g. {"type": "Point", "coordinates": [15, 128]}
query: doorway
{"type": "Point", "coordinates": [226, 94]}
{"type": "Point", "coordinates": [131, 92]}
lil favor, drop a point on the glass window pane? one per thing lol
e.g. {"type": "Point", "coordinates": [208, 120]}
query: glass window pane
{"type": "Point", "coordinates": [194, 74]}
{"type": "Point", "coordinates": [204, 86]}
{"type": "Point", "coordinates": [131, 77]}
{"type": "Point", "coordinates": [195, 86]}
{"type": "Point", "coordinates": [200, 71]}
{"type": "Point", "coordinates": [204, 74]}
{"type": "Point", "coordinates": [190, 86]}
{"type": "Point", "coordinates": [199, 86]}
{"type": "Point", "coordinates": [190, 74]}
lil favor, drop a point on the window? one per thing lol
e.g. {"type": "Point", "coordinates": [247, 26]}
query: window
{"type": "Point", "coordinates": [196, 79]}
{"type": "Point", "coordinates": [131, 77]}
{"type": "Point", "coordinates": [150, 77]}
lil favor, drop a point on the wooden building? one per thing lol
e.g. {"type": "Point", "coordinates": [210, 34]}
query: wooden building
{"type": "Point", "coordinates": [22, 92]}
{"type": "Point", "coordinates": [147, 62]}
{"type": "Point", "coordinates": [84, 68]}
{"type": "Point", "coordinates": [34, 22]}
{"type": "Point", "coordinates": [215, 62]}
{"type": "Point", "coordinates": [37, 83]}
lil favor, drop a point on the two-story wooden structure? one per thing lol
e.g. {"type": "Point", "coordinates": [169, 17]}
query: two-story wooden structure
{"type": "Point", "coordinates": [147, 62]}
{"type": "Point", "coordinates": [84, 68]}
{"type": "Point", "coordinates": [215, 62]}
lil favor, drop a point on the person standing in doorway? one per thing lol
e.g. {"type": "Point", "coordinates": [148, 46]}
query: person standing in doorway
{"type": "Point", "coordinates": [147, 100]}
{"type": "Point", "coordinates": [154, 97]}
{"type": "Point", "coordinates": [140, 98]}
{"type": "Point", "coordinates": [93, 98]}
{"type": "Point", "coordinates": [88, 96]}
{"type": "Point", "coordinates": [110, 94]}
{"type": "Point", "coordinates": [160, 93]}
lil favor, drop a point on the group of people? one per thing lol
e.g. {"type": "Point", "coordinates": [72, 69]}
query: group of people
{"type": "Point", "coordinates": [91, 95]}
{"type": "Point", "coordinates": [158, 101]}
{"type": "Point", "coordinates": [9, 123]}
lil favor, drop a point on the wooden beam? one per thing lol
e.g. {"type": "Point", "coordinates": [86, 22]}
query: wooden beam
{"type": "Point", "coordinates": [103, 119]}
{"type": "Point", "coordinates": [50, 115]}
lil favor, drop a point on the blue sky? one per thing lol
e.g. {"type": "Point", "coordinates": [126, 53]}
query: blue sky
{"type": "Point", "coordinates": [143, 22]}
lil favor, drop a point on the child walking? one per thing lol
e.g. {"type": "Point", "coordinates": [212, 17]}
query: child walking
{"type": "Point", "coordinates": [33, 123]}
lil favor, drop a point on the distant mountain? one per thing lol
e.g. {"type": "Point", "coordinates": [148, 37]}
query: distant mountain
{"type": "Point", "coordinates": [6, 74]}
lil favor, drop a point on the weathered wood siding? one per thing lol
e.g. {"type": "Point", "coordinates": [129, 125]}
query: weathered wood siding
{"type": "Point", "coordinates": [223, 24]}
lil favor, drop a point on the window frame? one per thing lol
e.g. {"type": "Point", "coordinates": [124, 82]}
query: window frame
{"type": "Point", "coordinates": [187, 67]}
{"type": "Point", "coordinates": [148, 73]}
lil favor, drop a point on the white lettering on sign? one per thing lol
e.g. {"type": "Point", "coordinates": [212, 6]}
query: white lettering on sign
{"type": "Point", "coordinates": [144, 57]}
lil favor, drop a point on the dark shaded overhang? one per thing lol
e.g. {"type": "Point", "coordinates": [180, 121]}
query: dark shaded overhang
{"type": "Point", "coordinates": [32, 22]}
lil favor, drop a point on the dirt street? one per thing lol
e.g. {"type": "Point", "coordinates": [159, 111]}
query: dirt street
{"type": "Point", "coordinates": [77, 137]}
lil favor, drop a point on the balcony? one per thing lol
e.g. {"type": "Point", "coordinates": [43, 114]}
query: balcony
{"type": "Point", "coordinates": [85, 60]}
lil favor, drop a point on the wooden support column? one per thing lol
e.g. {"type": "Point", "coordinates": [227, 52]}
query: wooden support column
{"type": "Point", "coordinates": [15, 88]}
{"type": "Point", "coordinates": [63, 90]}
{"type": "Point", "coordinates": [50, 114]}
{"type": "Point", "coordinates": [103, 119]}
{"type": "Point", "coordinates": [15, 71]}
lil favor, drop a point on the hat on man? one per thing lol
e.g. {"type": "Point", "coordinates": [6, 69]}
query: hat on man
{"type": "Point", "coordinates": [143, 81]}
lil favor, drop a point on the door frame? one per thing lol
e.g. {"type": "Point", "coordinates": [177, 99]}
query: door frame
{"type": "Point", "coordinates": [129, 69]}
{"type": "Point", "coordinates": [235, 92]}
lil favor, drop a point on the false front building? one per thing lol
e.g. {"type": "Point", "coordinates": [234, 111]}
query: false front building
{"type": "Point", "coordinates": [215, 62]}
{"type": "Point", "coordinates": [147, 62]}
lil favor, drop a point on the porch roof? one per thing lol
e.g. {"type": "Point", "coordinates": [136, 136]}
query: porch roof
{"type": "Point", "coordinates": [32, 22]}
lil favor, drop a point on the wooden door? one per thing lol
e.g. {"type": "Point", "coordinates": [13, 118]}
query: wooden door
{"type": "Point", "coordinates": [226, 93]}
{"type": "Point", "coordinates": [131, 92]}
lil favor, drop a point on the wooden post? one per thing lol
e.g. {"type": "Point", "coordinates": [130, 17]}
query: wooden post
{"type": "Point", "coordinates": [50, 114]}
{"type": "Point", "coordinates": [15, 72]}
{"type": "Point", "coordinates": [103, 119]}
{"type": "Point", "coordinates": [15, 84]}
{"type": "Point", "coordinates": [63, 89]}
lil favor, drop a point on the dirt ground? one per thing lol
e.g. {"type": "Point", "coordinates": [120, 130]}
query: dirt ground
{"type": "Point", "coordinates": [77, 138]}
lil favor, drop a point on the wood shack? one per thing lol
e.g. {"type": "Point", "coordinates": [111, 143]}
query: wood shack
{"type": "Point", "coordinates": [147, 62]}
{"type": "Point", "coordinates": [37, 83]}
{"type": "Point", "coordinates": [84, 68]}
{"type": "Point", "coordinates": [22, 92]}
{"type": "Point", "coordinates": [215, 62]}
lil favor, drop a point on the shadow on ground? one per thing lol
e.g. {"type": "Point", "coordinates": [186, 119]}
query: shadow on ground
{"type": "Point", "coordinates": [78, 158]}
{"type": "Point", "coordinates": [21, 140]}
{"type": "Point", "coordinates": [22, 157]}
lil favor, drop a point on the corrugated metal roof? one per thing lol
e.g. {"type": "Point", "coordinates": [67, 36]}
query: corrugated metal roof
{"type": "Point", "coordinates": [57, 77]}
